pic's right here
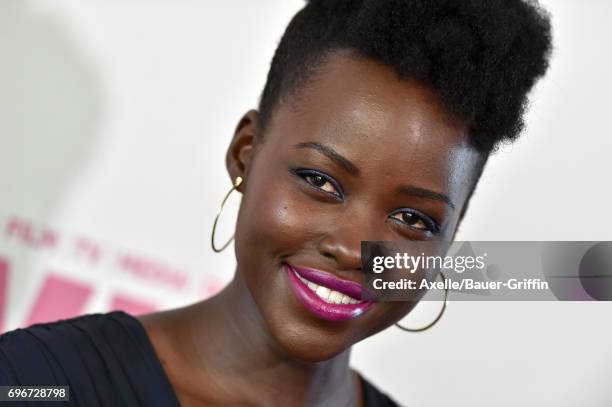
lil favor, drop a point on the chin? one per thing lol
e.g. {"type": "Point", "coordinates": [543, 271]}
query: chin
{"type": "Point", "coordinates": [305, 337]}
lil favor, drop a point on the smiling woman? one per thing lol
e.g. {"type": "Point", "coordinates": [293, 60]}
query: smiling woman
{"type": "Point", "coordinates": [375, 123]}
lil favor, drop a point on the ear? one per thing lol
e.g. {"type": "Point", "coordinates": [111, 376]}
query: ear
{"type": "Point", "coordinates": [242, 148]}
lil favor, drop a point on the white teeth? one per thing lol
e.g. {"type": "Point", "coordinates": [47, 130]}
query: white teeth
{"type": "Point", "coordinates": [327, 295]}
{"type": "Point", "coordinates": [323, 292]}
{"type": "Point", "coordinates": [335, 297]}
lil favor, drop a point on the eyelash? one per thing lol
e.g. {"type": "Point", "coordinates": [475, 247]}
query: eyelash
{"type": "Point", "coordinates": [304, 174]}
{"type": "Point", "coordinates": [432, 226]}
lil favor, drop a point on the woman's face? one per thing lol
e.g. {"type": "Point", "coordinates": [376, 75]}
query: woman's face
{"type": "Point", "coordinates": [356, 154]}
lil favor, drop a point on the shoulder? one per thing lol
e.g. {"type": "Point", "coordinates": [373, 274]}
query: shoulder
{"type": "Point", "coordinates": [42, 352]}
{"type": "Point", "coordinates": [99, 356]}
{"type": "Point", "coordinates": [373, 397]}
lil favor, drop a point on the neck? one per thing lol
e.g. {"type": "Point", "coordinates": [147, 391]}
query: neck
{"type": "Point", "coordinates": [236, 354]}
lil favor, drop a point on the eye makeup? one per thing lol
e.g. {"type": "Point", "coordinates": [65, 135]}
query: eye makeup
{"type": "Point", "coordinates": [316, 180]}
{"type": "Point", "coordinates": [431, 226]}
{"type": "Point", "coordinates": [314, 177]}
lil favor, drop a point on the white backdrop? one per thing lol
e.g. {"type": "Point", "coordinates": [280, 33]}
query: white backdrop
{"type": "Point", "coordinates": [114, 120]}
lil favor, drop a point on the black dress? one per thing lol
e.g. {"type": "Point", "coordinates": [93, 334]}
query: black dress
{"type": "Point", "coordinates": [105, 359]}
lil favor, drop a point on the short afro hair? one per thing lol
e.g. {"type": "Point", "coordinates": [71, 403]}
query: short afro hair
{"type": "Point", "coordinates": [482, 57]}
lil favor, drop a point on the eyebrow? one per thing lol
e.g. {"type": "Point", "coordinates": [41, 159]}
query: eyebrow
{"type": "Point", "coordinates": [425, 193]}
{"type": "Point", "coordinates": [332, 155]}
{"type": "Point", "coordinates": [352, 168]}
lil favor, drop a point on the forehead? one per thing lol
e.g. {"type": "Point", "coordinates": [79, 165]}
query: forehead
{"type": "Point", "coordinates": [384, 125]}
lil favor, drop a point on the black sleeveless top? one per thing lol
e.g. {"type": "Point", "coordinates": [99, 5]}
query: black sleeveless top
{"type": "Point", "coordinates": [105, 359]}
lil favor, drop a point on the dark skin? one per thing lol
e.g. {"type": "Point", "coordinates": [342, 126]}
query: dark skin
{"type": "Point", "coordinates": [254, 343]}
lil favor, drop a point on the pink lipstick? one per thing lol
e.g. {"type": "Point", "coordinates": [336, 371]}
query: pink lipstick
{"type": "Point", "coordinates": [326, 295]}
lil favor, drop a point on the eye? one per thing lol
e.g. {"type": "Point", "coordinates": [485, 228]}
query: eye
{"type": "Point", "coordinates": [320, 181]}
{"type": "Point", "coordinates": [416, 220]}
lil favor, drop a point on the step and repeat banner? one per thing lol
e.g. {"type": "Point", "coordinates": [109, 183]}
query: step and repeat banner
{"type": "Point", "coordinates": [48, 274]}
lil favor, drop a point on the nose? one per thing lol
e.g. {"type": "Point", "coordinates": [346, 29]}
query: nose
{"type": "Point", "coordinates": [342, 242]}
{"type": "Point", "coordinates": [346, 254]}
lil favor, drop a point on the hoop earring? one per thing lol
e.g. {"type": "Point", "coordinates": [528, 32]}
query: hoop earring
{"type": "Point", "coordinates": [237, 182]}
{"type": "Point", "coordinates": [426, 327]}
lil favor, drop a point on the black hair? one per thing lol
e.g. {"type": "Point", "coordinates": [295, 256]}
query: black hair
{"type": "Point", "coordinates": [482, 57]}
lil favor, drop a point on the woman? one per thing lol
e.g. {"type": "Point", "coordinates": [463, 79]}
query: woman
{"type": "Point", "coordinates": [375, 123]}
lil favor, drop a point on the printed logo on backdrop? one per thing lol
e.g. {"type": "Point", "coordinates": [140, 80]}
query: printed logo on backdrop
{"type": "Point", "coordinates": [72, 271]}
{"type": "Point", "coordinates": [488, 271]}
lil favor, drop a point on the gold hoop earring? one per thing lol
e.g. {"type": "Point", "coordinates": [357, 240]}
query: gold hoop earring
{"type": "Point", "coordinates": [426, 327]}
{"type": "Point", "coordinates": [237, 182]}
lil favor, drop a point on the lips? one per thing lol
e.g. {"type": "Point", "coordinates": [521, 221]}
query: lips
{"type": "Point", "coordinates": [326, 295]}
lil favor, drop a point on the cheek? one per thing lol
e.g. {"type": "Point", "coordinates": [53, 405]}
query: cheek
{"type": "Point", "coordinates": [270, 218]}
{"type": "Point", "coordinates": [276, 219]}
